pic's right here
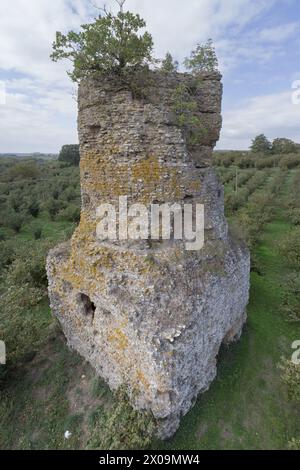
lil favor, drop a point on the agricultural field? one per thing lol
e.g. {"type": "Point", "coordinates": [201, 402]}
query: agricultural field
{"type": "Point", "coordinates": [47, 389]}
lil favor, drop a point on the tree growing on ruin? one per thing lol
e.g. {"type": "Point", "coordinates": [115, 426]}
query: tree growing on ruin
{"type": "Point", "coordinates": [202, 59]}
{"type": "Point", "coordinates": [110, 44]}
{"type": "Point", "coordinates": [169, 65]}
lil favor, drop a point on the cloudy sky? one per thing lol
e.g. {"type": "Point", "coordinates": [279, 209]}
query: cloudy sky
{"type": "Point", "coordinates": [257, 41]}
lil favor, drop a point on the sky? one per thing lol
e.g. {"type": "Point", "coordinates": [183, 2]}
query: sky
{"type": "Point", "coordinates": [257, 42]}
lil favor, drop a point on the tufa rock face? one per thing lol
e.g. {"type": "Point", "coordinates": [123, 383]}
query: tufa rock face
{"type": "Point", "coordinates": [150, 315]}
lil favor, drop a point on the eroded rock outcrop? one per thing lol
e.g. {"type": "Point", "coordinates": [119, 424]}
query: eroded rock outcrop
{"type": "Point", "coordinates": [150, 315]}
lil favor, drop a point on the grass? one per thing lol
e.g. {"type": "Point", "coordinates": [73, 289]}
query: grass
{"type": "Point", "coordinates": [51, 394]}
{"type": "Point", "coordinates": [53, 231]}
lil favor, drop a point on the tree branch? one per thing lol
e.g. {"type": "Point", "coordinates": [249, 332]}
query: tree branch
{"type": "Point", "coordinates": [102, 9]}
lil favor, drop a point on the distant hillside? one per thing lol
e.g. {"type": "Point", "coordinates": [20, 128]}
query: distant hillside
{"type": "Point", "coordinates": [35, 155]}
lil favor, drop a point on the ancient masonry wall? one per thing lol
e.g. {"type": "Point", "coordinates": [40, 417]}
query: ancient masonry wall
{"type": "Point", "coordinates": [150, 315]}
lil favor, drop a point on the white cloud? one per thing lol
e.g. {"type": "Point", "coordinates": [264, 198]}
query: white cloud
{"type": "Point", "coordinates": [26, 37]}
{"type": "Point", "coordinates": [279, 33]}
{"type": "Point", "coordinates": [177, 26]}
{"type": "Point", "coordinates": [274, 115]}
{"type": "Point", "coordinates": [27, 30]}
{"type": "Point", "coordinates": [42, 122]}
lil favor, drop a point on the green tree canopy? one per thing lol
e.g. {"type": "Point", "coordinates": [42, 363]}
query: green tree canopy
{"type": "Point", "coordinates": [26, 169]}
{"type": "Point", "coordinates": [169, 65]}
{"type": "Point", "coordinates": [69, 154]}
{"type": "Point", "coordinates": [108, 45]}
{"type": "Point", "coordinates": [202, 59]}
{"type": "Point", "coordinates": [283, 145]}
{"type": "Point", "coordinates": [261, 144]}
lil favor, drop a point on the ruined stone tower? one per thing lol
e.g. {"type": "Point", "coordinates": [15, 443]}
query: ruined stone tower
{"type": "Point", "coordinates": [150, 315]}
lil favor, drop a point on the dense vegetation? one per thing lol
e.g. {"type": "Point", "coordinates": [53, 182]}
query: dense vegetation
{"type": "Point", "coordinates": [109, 45]}
{"type": "Point", "coordinates": [47, 390]}
{"type": "Point", "coordinates": [281, 145]}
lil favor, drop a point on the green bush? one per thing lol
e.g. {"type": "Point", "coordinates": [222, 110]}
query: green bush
{"type": "Point", "coordinates": [294, 216]}
{"type": "Point", "coordinates": [29, 263]}
{"type": "Point", "coordinates": [291, 378]}
{"type": "Point", "coordinates": [245, 228]}
{"type": "Point", "coordinates": [227, 176]}
{"type": "Point", "coordinates": [53, 206]}
{"type": "Point", "coordinates": [284, 146]}
{"type": "Point", "coordinates": [294, 444]}
{"type": "Point", "coordinates": [7, 253]}
{"type": "Point", "coordinates": [291, 296]}
{"type": "Point", "coordinates": [202, 59]}
{"type": "Point", "coordinates": [267, 162]}
{"type": "Point", "coordinates": [21, 326]}
{"type": "Point", "coordinates": [122, 427]}
{"type": "Point", "coordinates": [3, 234]}
{"type": "Point", "coordinates": [290, 247]}
{"type": "Point", "coordinates": [185, 107]}
{"type": "Point", "coordinates": [169, 65]}
{"type": "Point", "coordinates": [290, 161]}
{"type": "Point", "coordinates": [33, 207]}
{"type": "Point", "coordinates": [256, 181]}
{"type": "Point", "coordinates": [15, 220]}
{"type": "Point", "coordinates": [235, 200]}
{"type": "Point", "coordinates": [23, 287]}
{"type": "Point", "coordinates": [14, 201]}
{"type": "Point", "coordinates": [37, 233]}
{"type": "Point", "coordinates": [24, 170]}
{"type": "Point", "coordinates": [70, 194]}
{"type": "Point", "coordinates": [70, 213]}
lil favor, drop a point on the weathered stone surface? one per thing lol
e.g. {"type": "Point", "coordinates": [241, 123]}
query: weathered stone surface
{"type": "Point", "coordinates": [149, 315]}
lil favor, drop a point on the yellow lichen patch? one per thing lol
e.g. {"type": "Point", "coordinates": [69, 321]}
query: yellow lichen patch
{"type": "Point", "coordinates": [149, 171]}
{"type": "Point", "coordinates": [74, 279]}
{"type": "Point", "coordinates": [105, 259]}
{"type": "Point", "coordinates": [88, 272]}
{"type": "Point", "coordinates": [140, 376]}
{"type": "Point", "coordinates": [153, 175]}
{"type": "Point", "coordinates": [86, 230]}
{"type": "Point", "coordinates": [104, 176]}
{"type": "Point", "coordinates": [175, 190]}
{"type": "Point", "coordinates": [119, 338]}
{"type": "Point", "coordinates": [143, 180]}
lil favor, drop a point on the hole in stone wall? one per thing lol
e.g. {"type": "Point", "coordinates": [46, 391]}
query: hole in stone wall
{"type": "Point", "coordinates": [88, 306]}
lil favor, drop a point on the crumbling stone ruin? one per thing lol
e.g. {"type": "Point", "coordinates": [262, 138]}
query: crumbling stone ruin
{"type": "Point", "coordinates": [150, 315]}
